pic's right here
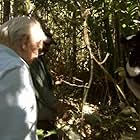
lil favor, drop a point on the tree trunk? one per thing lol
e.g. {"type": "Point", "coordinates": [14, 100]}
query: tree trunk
{"type": "Point", "coordinates": [6, 10]}
{"type": "Point", "coordinates": [15, 7]}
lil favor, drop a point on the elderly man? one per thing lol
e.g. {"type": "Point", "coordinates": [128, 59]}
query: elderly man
{"type": "Point", "coordinates": [21, 40]}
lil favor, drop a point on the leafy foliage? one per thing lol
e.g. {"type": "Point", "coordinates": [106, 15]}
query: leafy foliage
{"type": "Point", "coordinates": [70, 63]}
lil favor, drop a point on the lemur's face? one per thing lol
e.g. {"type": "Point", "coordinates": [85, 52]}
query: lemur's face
{"type": "Point", "coordinates": [132, 47]}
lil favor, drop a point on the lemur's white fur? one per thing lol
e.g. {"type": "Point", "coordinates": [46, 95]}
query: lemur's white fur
{"type": "Point", "coordinates": [132, 71]}
{"type": "Point", "coordinates": [130, 37]}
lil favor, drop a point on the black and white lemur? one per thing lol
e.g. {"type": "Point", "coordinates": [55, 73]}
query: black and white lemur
{"type": "Point", "coordinates": [132, 67]}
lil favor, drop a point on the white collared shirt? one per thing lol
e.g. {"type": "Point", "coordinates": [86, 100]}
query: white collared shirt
{"type": "Point", "coordinates": [18, 111]}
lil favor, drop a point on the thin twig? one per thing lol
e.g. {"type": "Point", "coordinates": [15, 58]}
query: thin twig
{"type": "Point", "coordinates": [76, 79]}
{"type": "Point", "coordinates": [74, 85]}
{"type": "Point", "coordinates": [105, 59]}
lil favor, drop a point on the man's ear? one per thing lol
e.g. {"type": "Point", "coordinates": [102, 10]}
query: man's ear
{"type": "Point", "coordinates": [24, 42]}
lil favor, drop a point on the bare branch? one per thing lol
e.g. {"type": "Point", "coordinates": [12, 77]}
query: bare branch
{"type": "Point", "coordinates": [76, 79]}
{"type": "Point", "coordinates": [74, 85]}
{"type": "Point", "coordinates": [105, 59]}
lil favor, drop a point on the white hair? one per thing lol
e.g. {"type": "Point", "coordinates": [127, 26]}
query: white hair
{"type": "Point", "coordinates": [18, 27]}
